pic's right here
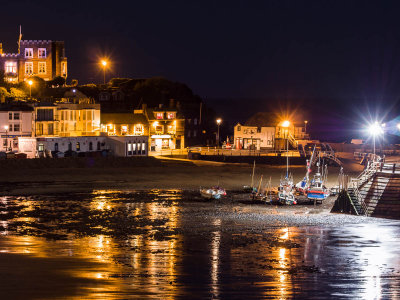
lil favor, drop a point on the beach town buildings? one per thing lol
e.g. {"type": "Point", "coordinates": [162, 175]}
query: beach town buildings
{"type": "Point", "coordinates": [264, 132]}
{"type": "Point", "coordinates": [42, 58]}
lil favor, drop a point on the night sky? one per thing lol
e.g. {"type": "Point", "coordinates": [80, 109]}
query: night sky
{"type": "Point", "coordinates": [337, 61]}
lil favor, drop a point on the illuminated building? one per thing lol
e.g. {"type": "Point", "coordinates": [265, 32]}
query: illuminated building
{"type": "Point", "coordinates": [164, 126]}
{"type": "Point", "coordinates": [264, 131]}
{"type": "Point", "coordinates": [43, 58]}
{"type": "Point", "coordinates": [15, 121]}
{"type": "Point", "coordinates": [67, 119]}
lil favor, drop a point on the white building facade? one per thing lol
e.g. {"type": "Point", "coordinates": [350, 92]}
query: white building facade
{"type": "Point", "coordinates": [253, 137]}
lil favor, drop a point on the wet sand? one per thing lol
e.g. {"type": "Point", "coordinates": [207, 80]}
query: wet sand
{"type": "Point", "coordinates": [152, 173]}
{"type": "Point", "coordinates": [171, 244]}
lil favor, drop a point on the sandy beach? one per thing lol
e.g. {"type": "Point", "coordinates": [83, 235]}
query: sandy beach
{"type": "Point", "coordinates": [69, 175]}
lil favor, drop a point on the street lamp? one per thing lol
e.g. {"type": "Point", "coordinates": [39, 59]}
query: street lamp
{"type": "Point", "coordinates": [305, 126]}
{"type": "Point", "coordinates": [6, 128]}
{"type": "Point", "coordinates": [218, 123]}
{"type": "Point", "coordinates": [104, 64]}
{"type": "Point", "coordinates": [286, 124]}
{"type": "Point", "coordinates": [375, 130]}
{"type": "Point", "coordinates": [30, 82]}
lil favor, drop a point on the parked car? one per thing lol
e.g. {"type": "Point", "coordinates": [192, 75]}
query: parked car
{"type": "Point", "coordinates": [70, 153]}
{"type": "Point", "coordinates": [3, 155]}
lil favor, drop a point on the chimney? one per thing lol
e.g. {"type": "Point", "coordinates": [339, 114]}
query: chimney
{"type": "Point", "coordinates": [171, 103]}
{"type": "Point", "coordinates": [1, 48]}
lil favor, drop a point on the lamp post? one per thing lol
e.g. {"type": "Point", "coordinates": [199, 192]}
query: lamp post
{"type": "Point", "coordinates": [218, 123]}
{"type": "Point", "coordinates": [305, 127]}
{"type": "Point", "coordinates": [6, 128]}
{"type": "Point", "coordinates": [104, 64]}
{"type": "Point", "coordinates": [30, 82]}
{"type": "Point", "coordinates": [286, 125]}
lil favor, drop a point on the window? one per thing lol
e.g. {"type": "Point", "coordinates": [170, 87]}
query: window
{"type": "Point", "coordinates": [16, 116]}
{"type": "Point", "coordinates": [239, 128]}
{"type": "Point", "coordinates": [41, 147]}
{"type": "Point", "coordinates": [159, 116]}
{"type": "Point", "coordinates": [138, 129]}
{"type": "Point", "coordinates": [28, 68]}
{"type": "Point", "coordinates": [28, 52]}
{"type": "Point", "coordinates": [16, 127]}
{"type": "Point", "coordinates": [143, 148]}
{"type": "Point", "coordinates": [10, 128]}
{"type": "Point", "coordinates": [69, 146]}
{"type": "Point", "coordinates": [124, 129]}
{"type": "Point", "coordinates": [56, 147]}
{"type": "Point", "coordinates": [159, 129]}
{"type": "Point", "coordinates": [10, 115]}
{"type": "Point", "coordinates": [42, 67]}
{"type": "Point", "coordinates": [171, 129]}
{"type": "Point", "coordinates": [98, 146]}
{"type": "Point", "coordinates": [129, 149]}
{"type": "Point", "coordinates": [42, 52]}
{"type": "Point", "coordinates": [188, 134]}
{"type": "Point", "coordinates": [78, 146]}
{"type": "Point", "coordinates": [90, 146]}
{"type": "Point", "coordinates": [171, 115]}
{"type": "Point", "coordinates": [10, 67]}
{"type": "Point", "coordinates": [44, 114]}
{"type": "Point", "coordinates": [258, 129]}
{"type": "Point", "coordinates": [64, 69]}
{"type": "Point", "coordinates": [194, 133]}
{"type": "Point", "coordinates": [195, 121]}
{"type": "Point", "coordinates": [50, 129]}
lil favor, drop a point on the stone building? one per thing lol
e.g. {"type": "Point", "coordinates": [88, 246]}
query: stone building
{"type": "Point", "coordinates": [42, 58]}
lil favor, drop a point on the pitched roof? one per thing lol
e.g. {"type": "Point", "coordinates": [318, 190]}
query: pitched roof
{"type": "Point", "coordinates": [123, 118]}
{"type": "Point", "coordinates": [262, 119]}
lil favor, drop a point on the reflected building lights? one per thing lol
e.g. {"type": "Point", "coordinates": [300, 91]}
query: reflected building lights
{"type": "Point", "coordinates": [215, 248]}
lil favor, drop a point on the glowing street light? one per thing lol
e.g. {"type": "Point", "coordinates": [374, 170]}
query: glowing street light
{"type": "Point", "coordinates": [104, 64]}
{"type": "Point", "coordinates": [286, 124]}
{"type": "Point", "coordinates": [375, 130]}
{"type": "Point", "coordinates": [398, 126]}
{"type": "Point", "coordinates": [30, 82]}
{"type": "Point", "coordinates": [218, 123]}
{"type": "Point", "coordinates": [305, 126]}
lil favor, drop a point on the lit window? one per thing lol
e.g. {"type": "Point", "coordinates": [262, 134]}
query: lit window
{"type": "Point", "coordinates": [171, 129]}
{"type": "Point", "coordinates": [42, 67]}
{"type": "Point", "coordinates": [10, 67]}
{"type": "Point", "coordinates": [159, 129]}
{"type": "Point", "coordinates": [171, 115]}
{"type": "Point", "coordinates": [28, 52]}
{"type": "Point", "coordinates": [138, 130]}
{"type": "Point", "coordinates": [64, 69]}
{"type": "Point", "coordinates": [124, 129]}
{"type": "Point", "coordinates": [159, 115]}
{"type": "Point", "coordinates": [78, 146]}
{"type": "Point", "coordinates": [239, 128]}
{"type": "Point", "coordinates": [29, 68]}
{"type": "Point", "coordinates": [42, 52]}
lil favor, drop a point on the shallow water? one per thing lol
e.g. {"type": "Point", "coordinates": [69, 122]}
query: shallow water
{"type": "Point", "coordinates": [168, 244]}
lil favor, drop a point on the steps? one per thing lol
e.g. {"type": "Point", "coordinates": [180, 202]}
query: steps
{"type": "Point", "coordinates": [355, 201]}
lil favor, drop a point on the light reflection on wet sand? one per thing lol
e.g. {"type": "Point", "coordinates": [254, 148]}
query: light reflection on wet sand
{"type": "Point", "coordinates": [208, 257]}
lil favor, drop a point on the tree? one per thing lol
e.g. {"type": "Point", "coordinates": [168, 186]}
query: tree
{"type": "Point", "coordinates": [17, 93]}
{"type": "Point", "coordinates": [57, 81]}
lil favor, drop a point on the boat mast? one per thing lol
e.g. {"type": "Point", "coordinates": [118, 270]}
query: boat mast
{"type": "Point", "coordinates": [252, 176]}
{"type": "Point", "coordinates": [287, 156]}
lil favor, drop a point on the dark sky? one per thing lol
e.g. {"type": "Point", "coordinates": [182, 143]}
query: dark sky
{"type": "Point", "coordinates": [340, 58]}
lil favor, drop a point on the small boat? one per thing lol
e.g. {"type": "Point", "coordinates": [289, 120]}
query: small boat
{"type": "Point", "coordinates": [212, 193]}
{"type": "Point", "coordinates": [286, 186]}
{"type": "Point", "coordinates": [317, 191]}
{"type": "Point", "coordinates": [285, 192]}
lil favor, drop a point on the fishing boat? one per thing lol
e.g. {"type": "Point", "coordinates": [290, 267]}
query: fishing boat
{"type": "Point", "coordinates": [286, 186]}
{"type": "Point", "coordinates": [317, 191]}
{"type": "Point", "coordinates": [286, 191]}
{"type": "Point", "coordinates": [212, 193]}
{"type": "Point", "coordinates": [303, 185]}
